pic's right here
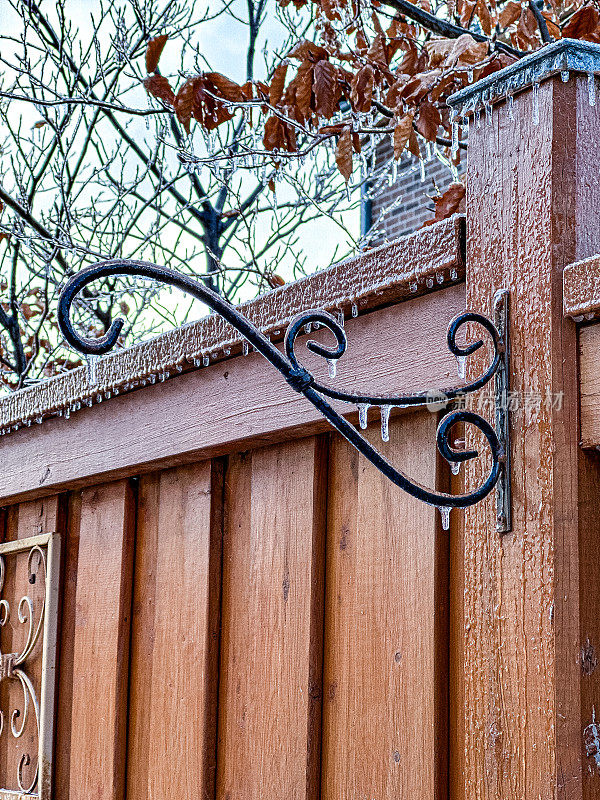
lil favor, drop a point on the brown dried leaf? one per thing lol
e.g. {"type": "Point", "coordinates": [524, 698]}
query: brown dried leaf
{"type": "Point", "coordinates": [527, 30]}
{"type": "Point", "coordinates": [306, 50]}
{"type": "Point", "coordinates": [343, 154]}
{"type": "Point", "coordinates": [274, 280]}
{"type": "Point", "coordinates": [450, 202]}
{"type": "Point", "coordinates": [377, 53]}
{"type": "Point", "coordinates": [303, 86]}
{"type": "Point", "coordinates": [361, 94]}
{"type": "Point", "coordinates": [184, 101]}
{"type": "Point", "coordinates": [277, 84]}
{"type": "Point", "coordinates": [402, 133]}
{"type": "Point", "coordinates": [159, 87]}
{"type": "Point", "coordinates": [223, 87]}
{"type": "Point", "coordinates": [510, 13]}
{"type": "Point", "coordinates": [428, 121]}
{"type": "Point", "coordinates": [416, 89]}
{"type": "Point", "coordinates": [485, 17]}
{"type": "Point", "coordinates": [582, 23]}
{"type": "Point", "coordinates": [154, 51]}
{"type": "Point", "coordinates": [273, 135]}
{"type": "Point", "coordinates": [39, 124]}
{"type": "Point", "coordinates": [325, 87]}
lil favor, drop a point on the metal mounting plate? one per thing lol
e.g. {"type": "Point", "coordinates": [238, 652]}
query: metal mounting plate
{"type": "Point", "coordinates": [502, 398]}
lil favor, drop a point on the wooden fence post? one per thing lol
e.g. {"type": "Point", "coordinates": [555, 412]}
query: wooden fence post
{"type": "Point", "coordinates": [532, 208]}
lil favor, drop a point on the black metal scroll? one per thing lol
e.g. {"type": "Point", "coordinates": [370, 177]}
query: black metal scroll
{"type": "Point", "coordinates": [302, 381]}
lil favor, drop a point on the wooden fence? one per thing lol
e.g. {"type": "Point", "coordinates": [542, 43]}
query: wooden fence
{"type": "Point", "coordinates": [245, 608]}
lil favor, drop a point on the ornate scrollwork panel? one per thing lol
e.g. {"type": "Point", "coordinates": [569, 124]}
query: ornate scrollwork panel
{"type": "Point", "coordinates": [29, 573]}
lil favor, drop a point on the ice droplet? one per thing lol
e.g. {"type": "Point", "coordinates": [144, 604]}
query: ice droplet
{"type": "Point", "coordinates": [511, 106]}
{"type": "Point", "coordinates": [205, 360]}
{"type": "Point", "coordinates": [245, 348]}
{"type": "Point", "coordinates": [354, 310]}
{"type": "Point", "coordinates": [385, 422]}
{"type": "Point", "coordinates": [445, 513]}
{"type": "Point", "coordinates": [331, 363]}
{"type": "Point", "coordinates": [461, 364]}
{"type": "Point", "coordinates": [92, 369]}
{"type": "Point", "coordinates": [591, 89]}
{"type": "Point", "coordinates": [535, 108]}
{"type": "Point", "coordinates": [564, 75]}
{"type": "Point", "coordinates": [363, 410]}
{"type": "Point", "coordinates": [455, 467]}
{"type": "Point", "coordinates": [307, 328]}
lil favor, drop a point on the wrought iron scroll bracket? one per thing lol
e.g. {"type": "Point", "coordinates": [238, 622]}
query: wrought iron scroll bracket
{"type": "Point", "coordinates": [301, 380]}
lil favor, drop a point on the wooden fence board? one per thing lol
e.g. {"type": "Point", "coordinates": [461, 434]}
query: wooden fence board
{"type": "Point", "coordinates": [271, 648]}
{"type": "Point", "coordinates": [101, 646]}
{"type": "Point", "coordinates": [245, 403]}
{"type": "Point", "coordinates": [384, 720]}
{"type": "Point", "coordinates": [175, 635]}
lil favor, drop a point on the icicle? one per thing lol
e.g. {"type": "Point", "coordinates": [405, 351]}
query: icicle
{"type": "Point", "coordinates": [455, 467]}
{"type": "Point", "coordinates": [245, 348]}
{"type": "Point", "coordinates": [363, 410]}
{"type": "Point", "coordinates": [445, 513]}
{"type": "Point", "coordinates": [385, 422]}
{"type": "Point", "coordinates": [422, 165]}
{"type": "Point", "coordinates": [453, 274]}
{"type": "Point", "coordinates": [455, 138]}
{"type": "Point", "coordinates": [591, 89]}
{"type": "Point", "coordinates": [205, 361]}
{"type": "Point", "coordinates": [354, 310]}
{"type": "Point", "coordinates": [461, 363]}
{"type": "Point", "coordinates": [92, 369]}
{"type": "Point", "coordinates": [535, 108]}
{"type": "Point", "coordinates": [413, 287]}
{"type": "Point", "coordinates": [478, 117]}
{"type": "Point", "coordinates": [564, 75]}
{"type": "Point", "coordinates": [511, 106]}
{"type": "Point", "coordinates": [470, 75]}
{"type": "Point", "coordinates": [332, 364]}
{"type": "Point", "coordinates": [307, 328]}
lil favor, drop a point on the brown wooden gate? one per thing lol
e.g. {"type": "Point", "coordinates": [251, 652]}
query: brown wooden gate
{"type": "Point", "coordinates": [248, 609]}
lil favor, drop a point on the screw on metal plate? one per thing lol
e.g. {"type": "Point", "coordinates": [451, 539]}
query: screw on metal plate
{"type": "Point", "coordinates": [502, 386]}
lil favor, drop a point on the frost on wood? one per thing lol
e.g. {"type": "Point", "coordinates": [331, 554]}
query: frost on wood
{"type": "Point", "coordinates": [581, 289]}
{"type": "Point", "coordinates": [378, 277]}
{"type": "Point", "coordinates": [563, 57]}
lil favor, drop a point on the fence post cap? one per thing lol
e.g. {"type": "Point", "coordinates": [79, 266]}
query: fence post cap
{"type": "Point", "coordinates": [563, 56]}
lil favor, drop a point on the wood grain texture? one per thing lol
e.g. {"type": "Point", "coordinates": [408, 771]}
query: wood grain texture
{"type": "Point", "coordinates": [97, 755]}
{"type": "Point", "coordinates": [532, 211]}
{"type": "Point", "coordinates": [272, 613]}
{"type": "Point", "coordinates": [413, 265]}
{"type": "Point", "coordinates": [228, 407]}
{"type": "Point", "coordinates": [589, 385]}
{"type": "Point", "coordinates": [385, 664]}
{"type": "Point", "coordinates": [175, 634]}
{"type": "Point", "coordinates": [581, 288]}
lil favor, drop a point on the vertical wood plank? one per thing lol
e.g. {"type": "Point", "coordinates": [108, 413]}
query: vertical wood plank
{"type": "Point", "coordinates": [385, 670]}
{"type": "Point", "coordinates": [271, 647]}
{"type": "Point", "coordinates": [68, 617]}
{"type": "Point", "coordinates": [101, 643]}
{"type": "Point", "coordinates": [532, 210]}
{"type": "Point", "coordinates": [175, 634]}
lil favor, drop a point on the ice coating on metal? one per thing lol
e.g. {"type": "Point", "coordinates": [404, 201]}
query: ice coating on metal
{"type": "Point", "coordinates": [563, 56]}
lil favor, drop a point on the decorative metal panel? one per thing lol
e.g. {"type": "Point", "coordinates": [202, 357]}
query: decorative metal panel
{"type": "Point", "coordinates": [29, 575]}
